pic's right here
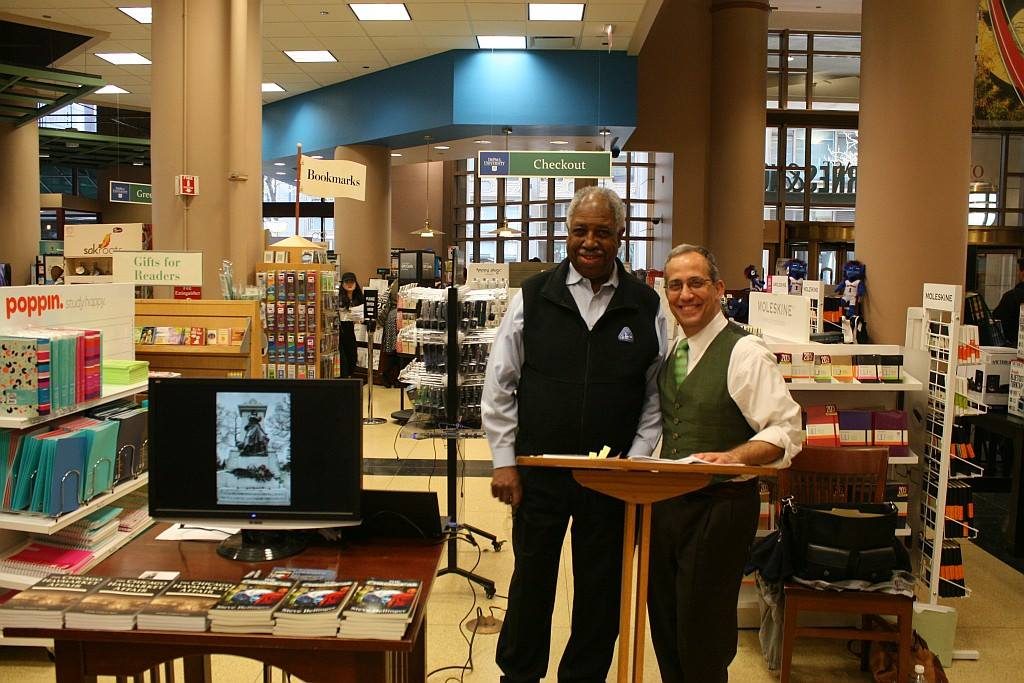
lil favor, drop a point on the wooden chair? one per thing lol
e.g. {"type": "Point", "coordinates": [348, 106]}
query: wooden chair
{"type": "Point", "coordinates": [841, 475]}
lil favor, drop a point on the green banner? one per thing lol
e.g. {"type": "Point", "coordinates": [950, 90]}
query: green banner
{"type": "Point", "coordinates": [545, 164]}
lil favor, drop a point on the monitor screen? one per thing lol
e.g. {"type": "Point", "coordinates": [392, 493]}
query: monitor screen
{"type": "Point", "coordinates": [259, 454]}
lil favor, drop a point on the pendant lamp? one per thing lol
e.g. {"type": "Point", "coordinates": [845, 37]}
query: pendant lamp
{"type": "Point", "coordinates": [504, 231]}
{"type": "Point", "coordinates": [427, 231]}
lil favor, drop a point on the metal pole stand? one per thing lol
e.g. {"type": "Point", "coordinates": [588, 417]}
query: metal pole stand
{"type": "Point", "coordinates": [370, 419]}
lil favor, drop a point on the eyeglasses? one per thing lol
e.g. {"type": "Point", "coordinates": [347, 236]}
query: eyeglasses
{"type": "Point", "coordinates": [693, 283]}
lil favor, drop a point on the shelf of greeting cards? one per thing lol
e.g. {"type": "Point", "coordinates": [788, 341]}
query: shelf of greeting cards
{"type": "Point", "coordinates": [111, 392]}
{"type": "Point", "coordinates": [21, 581]}
{"type": "Point", "coordinates": [909, 383]}
{"type": "Point", "coordinates": [41, 524]}
{"type": "Point", "coordinates": [427, 426]}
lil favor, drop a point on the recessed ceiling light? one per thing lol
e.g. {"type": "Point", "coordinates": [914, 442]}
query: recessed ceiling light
{"type": "Point", "coordinates": [790, 58]}
{"type": "Point", "coordinates": [111, 90]}
{"type": "Point", "coordinates": [542, 11]}
{"type": "Point", "coordinates": [271, 87]}
{"type": "Point", "coordinates": [441, 147]}
{"type": "Point", "coordinates": [604, 131]}
{"type": "Point", "coordinates": [120, 58]}
{"type": "Point", "coordinates": [559, 142]}
{"type": "Point", "coordinates": [380, 12]}
{"type": "Point", "coordinates": [482, 142]}
{"type": "Point", "coordinates": [44, 156]}
{"type": "Point", "coordinates": [396, 154]}
{"type": "Point", "coordinates": [279, 173]}
{"type": "Point", "coordinates": [143, 15]}
{"type": "Point", "coordinates": [317, 156]}
{"type": "Point", "coordinates": [310, 56]}
{"type": "Point", "coordinates": [278, 163]}
{"type": "Point", "coordinates": [137, 163]}
{"type": "Point", "coordinates": [501, 42]}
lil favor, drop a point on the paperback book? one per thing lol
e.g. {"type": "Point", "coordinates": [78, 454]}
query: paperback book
{"type": "Point", "coordinates": [43, 605]}
{"type": "Point", "coordinates": [313, 608]}
{"type": "Point", "coordinates": [183, 606]}
{"type": "Point", "coordinates": [115, 605]}
{"type": "Point", "coordinates": [249, 606]}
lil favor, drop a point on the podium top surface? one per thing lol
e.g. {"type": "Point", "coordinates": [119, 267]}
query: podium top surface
{"type": "Point", "coordinates": [623, 464]}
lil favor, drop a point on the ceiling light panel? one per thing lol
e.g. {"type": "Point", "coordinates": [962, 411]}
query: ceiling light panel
{"type": "Point", "coordinates": [310, 56]}
{"type": "Point", "coordinates": [111, 89]}
{"type": "Point", "coordinates": [556, 12]}
{"type": "Point", "coordinates": [271, 87]}
{"type": "Point", "coordinates": [143, 15]}
{"type": "Point", "coordinates": [121, 58]}
{"type": "Point", "coordinates": [501, 42]}
{"type": "Point", "coordinates": [380, 12]}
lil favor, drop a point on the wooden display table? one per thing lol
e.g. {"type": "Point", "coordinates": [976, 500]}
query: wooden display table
{"type": "Point", "coordinates": [639, 484]}
{"type": "Point", "coordinates": [82, 655]}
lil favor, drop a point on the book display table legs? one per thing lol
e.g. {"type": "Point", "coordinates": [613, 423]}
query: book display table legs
{"type": "Point", "coordinates": [639, 484]}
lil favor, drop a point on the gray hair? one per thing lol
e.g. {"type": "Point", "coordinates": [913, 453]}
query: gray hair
{"type": "Point", "coordinates": [696, 249]}
{"type": "Point", "coordinates": [611, 199]}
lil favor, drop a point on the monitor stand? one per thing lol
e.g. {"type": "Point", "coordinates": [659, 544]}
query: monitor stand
{"type": "Point", "coordinates": [262, 546]}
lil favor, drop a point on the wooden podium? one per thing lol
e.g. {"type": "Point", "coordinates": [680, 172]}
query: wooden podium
{"type": "Point", "coordinates": [639, 484]}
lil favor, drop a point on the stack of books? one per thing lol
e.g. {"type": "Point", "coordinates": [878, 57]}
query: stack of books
{"type": "Point", "coordinates": [313, 608]}
{"type": "Point", "coordinates": [49, 369]}
{"type": "Point", "coordinates": [114, 606]}
{"type": "Point", "coordinates": [183, 606]}
{"type": "Point", "coordinates": [380, 609]}
{"type": "Point", "coordinates": [89, 533]}
{"type": "Point", "coordinates": [249, 606]}
{"type": "Point", "coordinates": [43, 605]}
{"type": "Point", "coordinates": [125, 371]}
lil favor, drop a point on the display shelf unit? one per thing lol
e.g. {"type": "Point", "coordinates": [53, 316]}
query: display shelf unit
{"type": "Point", "coordinates": [41, 524]}
{"type": "Point", "coordinates": [199, 360]}
{"type": "Point", "coordinates": [453, 333]}
{"type": "Point", "coordinates": [111, 392]}
{"type": "Point", "coordinates": [300, 309]}
{"type": "Point", "coordinates": [909, 383]}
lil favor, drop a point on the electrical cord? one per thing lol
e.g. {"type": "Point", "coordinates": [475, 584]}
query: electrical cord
{"type": "Point", "coordinates": [468, 665]}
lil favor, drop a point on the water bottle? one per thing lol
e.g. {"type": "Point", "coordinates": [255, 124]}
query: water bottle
{"type": "Point", "coordinates": [918, 674]}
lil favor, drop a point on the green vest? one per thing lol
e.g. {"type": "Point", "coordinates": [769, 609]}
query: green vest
{"type": "Point", "coordinates": [699, 415]}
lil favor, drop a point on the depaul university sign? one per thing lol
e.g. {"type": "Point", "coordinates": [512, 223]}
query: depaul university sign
{"type": "Point", "coordinates": [545, 164]}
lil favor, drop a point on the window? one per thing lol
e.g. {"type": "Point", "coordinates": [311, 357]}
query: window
{"type": "Point", "coordinates": [818, 181]}
{"type": "Point", "coordinates": [813, 71]}
{"type": "Point", "coordinates": [75, 116]}
{"type": "Point", "coordinates": [537, 206]}
{"type": "Point", "coordinates": [316, 214]}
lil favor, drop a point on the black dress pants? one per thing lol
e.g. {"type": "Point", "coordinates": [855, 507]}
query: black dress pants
{"type": "Point", "coordinates": [347, 342]}
{"type": "Point", "coordinates": [699, 545]}
{"type": "Point", "coordinates": [550, 499]}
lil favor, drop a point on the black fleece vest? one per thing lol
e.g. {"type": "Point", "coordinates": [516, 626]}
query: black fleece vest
{"type": "Point", "coordinates": [583, 389]}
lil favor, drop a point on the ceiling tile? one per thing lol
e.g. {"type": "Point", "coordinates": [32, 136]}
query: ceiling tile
{"type": "Point", "coordinates": [335, 28]}
{"type": "Point", "coordinates": [389, 28]}
{"type": "Point", "coordinates": [613, 13]}
{"type": "Point", "coordinates": [360, 57]}
{"type": "Point", "coordinates": [140, 45]}
{"type": "Point", "coordinates": [303, 43]}
{"type": "Point", "coordinates": [273, 58]}
{"type": "Point", "coordinates": [619, 43]}
{"type": "Point", "coordinates": [554, 28]}
{"type": "Point", "coordinates": [399, 43]}
{"type": "Point", "coordinates": [315, 69]}
{"type": "Point", "coordinates": [437, 11]}
{"type": "Point", "coordinates": [450, 43]}
{"type": "Point", "coordinates": [98, 16]}
{"type": "Point", "coordinates": [499, 28]}
{"type": "Point", "coordinates": [340, 45]}
{"type": "Point", "coordinates": [312, 13]}
{"type": "Point", "coordinates": [396, 57]}
{"type": "Point", "coordinates": [498, 12]}
{"type": "Point", "coordinates": [444, 28]}
{"type": "Point", "coordinates": [275, 13]}
{"type": "Point", "coordinates": [285, 29]}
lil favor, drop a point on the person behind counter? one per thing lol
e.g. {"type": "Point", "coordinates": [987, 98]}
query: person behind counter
{"type": "Point", "coordinates": [724, 400]}
{"type": "Point", "coordinates": [349, 294]}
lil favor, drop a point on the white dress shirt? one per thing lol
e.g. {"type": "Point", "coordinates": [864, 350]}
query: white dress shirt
{"type": "Point", "coordinates": [498, 405]}
{"type": "Point", "coordinates": [755, 383]}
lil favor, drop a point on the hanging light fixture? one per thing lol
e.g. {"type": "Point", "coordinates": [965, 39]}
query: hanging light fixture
{"type": "Point", "coordinates": [504, 231]}
{"type": "Point", "coordinates": [427, 231]}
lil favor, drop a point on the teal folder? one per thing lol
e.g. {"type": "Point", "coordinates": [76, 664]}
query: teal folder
{"type": "Point", "coordinates": [26, 463]}
{"type": "Point", "coordinates": [65, 473]}
{"type": "Point", "coordinates": [100, 459]}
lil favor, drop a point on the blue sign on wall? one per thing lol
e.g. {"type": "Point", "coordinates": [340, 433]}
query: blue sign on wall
{"type": "Point", "coordinates": [119, 191]}
{"type": "Point", "coordinates": [494, 163]}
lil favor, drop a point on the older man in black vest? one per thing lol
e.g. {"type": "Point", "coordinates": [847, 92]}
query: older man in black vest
{"type": "Point", "coordinates": [724, 400]}
{"type": "Point", "coordinates": [573, 369]}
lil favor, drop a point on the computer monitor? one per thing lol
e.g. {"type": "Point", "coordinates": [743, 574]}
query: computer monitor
{"type": "Point", "coordinates": [262, 455]}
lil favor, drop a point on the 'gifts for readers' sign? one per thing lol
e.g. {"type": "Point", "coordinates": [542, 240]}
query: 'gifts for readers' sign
{"type": "Point", "coordinates": [159, 267]}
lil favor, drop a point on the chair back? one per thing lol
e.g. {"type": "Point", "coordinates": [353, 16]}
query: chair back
{"type": "Point", "coordinates": [820, 475]}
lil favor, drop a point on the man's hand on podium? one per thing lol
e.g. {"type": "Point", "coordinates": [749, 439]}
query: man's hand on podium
{"type": "Point", "coordinates": [505, 485]}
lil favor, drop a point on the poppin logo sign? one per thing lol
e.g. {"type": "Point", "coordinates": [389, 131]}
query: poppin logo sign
{"type": "Point", "coordinates": [33, 305]}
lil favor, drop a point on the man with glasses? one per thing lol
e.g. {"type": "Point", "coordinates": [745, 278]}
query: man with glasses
{"type": "Point", "coordinates": [573, 369]}
{"type": "Point", "coordinates": [724, 400]}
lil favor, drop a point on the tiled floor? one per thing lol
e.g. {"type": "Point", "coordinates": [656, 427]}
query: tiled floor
{"type": "Point", "coordinates": [990, 621]}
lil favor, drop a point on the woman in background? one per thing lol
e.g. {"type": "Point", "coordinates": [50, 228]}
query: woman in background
{"type": "Point", "coordinates": [349, 294]}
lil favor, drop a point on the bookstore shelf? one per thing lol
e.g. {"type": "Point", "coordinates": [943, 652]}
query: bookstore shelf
{"type": "Point", "coordinates": [111, 392]}
{"type": "Point", "coordinates": [121, 538]}
{"type": "Point", "coordinates": [177, 349]}
{"type": "Point", "coordinates": [909, 383]}
{"type": "Point", "coordinates": [39, 524]}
